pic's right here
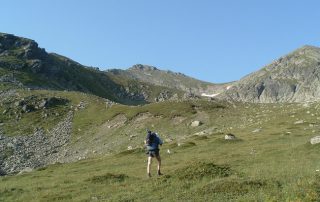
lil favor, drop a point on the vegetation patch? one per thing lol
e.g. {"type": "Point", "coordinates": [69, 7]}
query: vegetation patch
{"type": "Point", "coordinates": [186, 144]}
{"type": "Point", "coordinates": [58, 197]}
{"type": "Point", "coordinates": [131, 151]}
{"type": "Point", "coordinates": [108, 178]}
{"type": "Point", "coordinates": [199, 170]}
{"type": "Point", "coordinates": [233, 187]}
{"type": "Point", "coordinates": [4, 194]}
{"type": "Point", "coordinates": [200, 137]}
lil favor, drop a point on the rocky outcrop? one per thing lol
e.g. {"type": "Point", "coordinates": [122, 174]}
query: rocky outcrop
{"type": "Point", "coordinates": [292, 78]}
{"type": "Point", "coordinates": [34, 151]}
{"type": "Point", "coordinates": [26, 51]}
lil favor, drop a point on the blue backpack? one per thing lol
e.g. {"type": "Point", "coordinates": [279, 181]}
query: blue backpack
{"type": "Point", "coordinates": [151, 141]}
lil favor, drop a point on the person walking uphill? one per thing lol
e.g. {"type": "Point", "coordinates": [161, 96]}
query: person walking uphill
{"type": "Point", "coordinates": [152, 143]}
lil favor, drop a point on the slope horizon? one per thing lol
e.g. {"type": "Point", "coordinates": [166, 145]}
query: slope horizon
{"type": "Point", "coordinates": [208, 40]}
{"type": "Point", "coordinates": [167, 69]}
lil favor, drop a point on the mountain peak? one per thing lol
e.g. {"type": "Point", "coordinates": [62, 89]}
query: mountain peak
{"type": "Point", "coordinates": [309, 47]}
{"type": "Point", "coordinates": [291, 78]}
{"type": "Point", "coordinates": [306, 50]}
{"type": "Point", "coordinates": [141, 67]}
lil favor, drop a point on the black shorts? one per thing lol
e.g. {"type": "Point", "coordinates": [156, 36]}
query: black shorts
{"type": "Point", "coordinates": [154, 153]}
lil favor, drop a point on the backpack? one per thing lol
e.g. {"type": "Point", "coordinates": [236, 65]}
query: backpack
{"type": "Point", "coordinates": [151, 137]}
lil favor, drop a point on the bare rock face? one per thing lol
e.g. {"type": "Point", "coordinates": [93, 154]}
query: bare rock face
{"type": "Point", "coordinates": [24, 48]}
{"type": "Point", "coordinates": [292, 78]}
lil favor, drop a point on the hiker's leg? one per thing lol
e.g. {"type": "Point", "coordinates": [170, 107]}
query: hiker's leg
{"type": "Point", "coordinates": [149, 164]}
{"type": "Point", "coordinates": [159, 163]}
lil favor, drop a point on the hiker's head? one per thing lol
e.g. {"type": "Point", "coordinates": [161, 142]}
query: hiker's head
{"type": "Point", "coordinates": [148, 131]}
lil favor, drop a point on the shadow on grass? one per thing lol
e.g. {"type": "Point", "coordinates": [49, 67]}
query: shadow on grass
{"type": "Point", "coordinates": [181, 145]}
{"type": "Point", "coordinates": [107, 178]}
{"type": "Point", "coordinates": [233, 187]}
{"type": "Point", "coordinates": [4, 194]}
{"type": "Point", "coordinates": [131, 151]}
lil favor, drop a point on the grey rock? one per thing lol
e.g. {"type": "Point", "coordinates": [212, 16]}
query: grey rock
{"type": "Point", "coordinates": [36, 65]}
{"type": "Point", "coordinates": [36, 150]}
{"type": "Point", "coordinates": [26, 170]}
{"type": "Point", "coordinates": [196, 123]}
{"type": "Point", "coordinates": [230, 137]}
{"type": "Point", "coordinates": [299, 122]}
{"type": "Point", "coordinates": [256, 130]}
{"type": "Point", "coordinates": [43, 104]}
{"type": "Point", "coordinates": [315, 140]}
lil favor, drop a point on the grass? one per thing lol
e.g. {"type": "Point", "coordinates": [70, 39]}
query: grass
{"type": "Point", "coordinates": [190, 174]}
{"type": "Point", "coordinates": [275, 163]}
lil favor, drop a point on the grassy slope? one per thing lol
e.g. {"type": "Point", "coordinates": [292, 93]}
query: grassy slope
{"type": "Point", "coordinates": [275, 164]}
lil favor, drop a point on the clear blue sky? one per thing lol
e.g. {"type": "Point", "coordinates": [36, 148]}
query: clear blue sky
{"type": "Point", "coordinates": [216, 41]}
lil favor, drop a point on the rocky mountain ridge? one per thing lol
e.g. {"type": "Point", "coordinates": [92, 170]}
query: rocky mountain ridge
{"type": "Point", "coordinates": [23, 63]}
{"type": "Point", "coordinates": [169, 79]}
{"type": "Point", "coordinates": [291, 78]}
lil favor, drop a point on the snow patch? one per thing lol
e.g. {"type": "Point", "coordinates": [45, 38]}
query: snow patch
{"type": "Point", "coordinates": [209, 95]}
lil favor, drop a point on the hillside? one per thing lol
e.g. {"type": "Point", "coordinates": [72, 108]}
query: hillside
{"type": "Point", "coordinates": [169, 79]}
{"type": "Point", "coordinates": [271, 159]}
{"type": "Point", "coordinates": [291, 78]}
{"type": "Point", "coordinates": [24, 64]}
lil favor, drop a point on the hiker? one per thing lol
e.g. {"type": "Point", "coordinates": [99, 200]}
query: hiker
{"type": "Point", "coordinates": [152, 143]}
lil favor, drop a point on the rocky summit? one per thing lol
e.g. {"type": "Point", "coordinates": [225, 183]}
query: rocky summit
{"type": "Point", "coordinates": [291, 78]}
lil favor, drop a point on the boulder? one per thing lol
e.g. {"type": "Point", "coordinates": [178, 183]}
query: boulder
{"type": "Point", "coordinates": [230, 137]}
{"type": "Point", "coordinates": [196, 123]}
{"type": "Point", "coordinates": [36, 65]}
{"type": "Point", "coordinates": [27, 108]}
{"type": "Point", "coordinates": [299, 122]}
{"type": "Point", "coordinates": [43, 103]}
{"type": "Point", "coordinates": [315, 140]}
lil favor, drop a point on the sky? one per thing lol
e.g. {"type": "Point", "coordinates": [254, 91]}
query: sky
{"type": "Point", "coordinates": [211, 40]}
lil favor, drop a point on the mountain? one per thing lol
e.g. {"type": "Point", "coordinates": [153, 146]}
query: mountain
{"type": "Point", "coordinates": [66, 144]}
{"type": "Point", "coordinates": [169, 79]}
{"type": "Point", "coordinates": [291, 78]}
{"type": "Point", "coordinates": [23, 63]}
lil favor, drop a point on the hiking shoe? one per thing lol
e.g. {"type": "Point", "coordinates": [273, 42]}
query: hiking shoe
{"type": "Point", "coordinates": [149, 175]}
{"type": "Point", "coordinates": [159, 173]}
